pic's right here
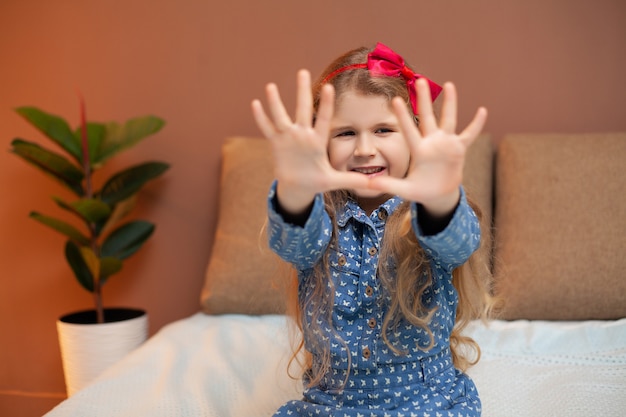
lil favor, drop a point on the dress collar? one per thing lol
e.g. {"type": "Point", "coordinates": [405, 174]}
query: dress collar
{"type": "Point", "coordinates": [352, 210]}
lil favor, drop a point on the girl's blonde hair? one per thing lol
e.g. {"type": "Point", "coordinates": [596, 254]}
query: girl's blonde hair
{"type": "Point", "coordinates": [412, 274]}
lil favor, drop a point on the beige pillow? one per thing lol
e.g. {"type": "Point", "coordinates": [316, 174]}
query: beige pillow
{"type": "Point", "coordinates": [478, 183]}
{"type": "Point", "coordinates": [560, 226]}
{"type": "Point", "coordinates": [243, 275]}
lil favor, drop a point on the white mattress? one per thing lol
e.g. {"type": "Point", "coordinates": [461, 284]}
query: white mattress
{"type": "Point", "coordinates": [234, 365]}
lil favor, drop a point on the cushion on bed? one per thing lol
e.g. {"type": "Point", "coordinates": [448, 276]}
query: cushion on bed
{"type": "Point", "coordinates": [560, 226]}
{"type": "Point", "coordinates": [478, 183]}
{"type": "Point", "coordinates": [243, 275]}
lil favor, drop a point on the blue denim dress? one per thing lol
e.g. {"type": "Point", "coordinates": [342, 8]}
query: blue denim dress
{"type": "Point", "coordinates": [373, 380]}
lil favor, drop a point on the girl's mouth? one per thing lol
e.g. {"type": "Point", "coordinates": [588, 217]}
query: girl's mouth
{"type": "Point", "coordinates": [368, 170]}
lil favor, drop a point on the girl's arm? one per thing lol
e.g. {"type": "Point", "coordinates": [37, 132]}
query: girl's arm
{"type": "Point", "coordinates": [300, 243]}
{"type": "Point", "coordinates": [457, 239]}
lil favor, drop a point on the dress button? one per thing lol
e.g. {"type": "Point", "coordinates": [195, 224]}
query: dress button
{"type": "Point", "coordinates": [382, 214]}
{"type": "Point", "coordinates": [372, 251]}
{"type": "Point", "coordinates": [369, 291]}
{"type": "Point", "coordinates": [342, 260]}
{"type": "Point", "coordinates": [371, 323]}
{"type": "Point", "coordinates": [366, 353]}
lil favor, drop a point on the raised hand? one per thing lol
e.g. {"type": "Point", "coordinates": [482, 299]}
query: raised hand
{"type": "Point", "coordinates": [301, 163]}
{"type": "Point", "coordinates": [437, 152]}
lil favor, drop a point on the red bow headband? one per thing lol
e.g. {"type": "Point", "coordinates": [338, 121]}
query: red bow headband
{"type": "Point", "coordinates": [383, 61]}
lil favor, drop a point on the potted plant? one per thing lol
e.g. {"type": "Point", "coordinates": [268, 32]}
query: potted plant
{"type": "Point", "coordinates": [97, 250]}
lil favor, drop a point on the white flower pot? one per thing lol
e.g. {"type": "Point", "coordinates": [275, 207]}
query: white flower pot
{"type": "Point", "coordinates": [87, 348]}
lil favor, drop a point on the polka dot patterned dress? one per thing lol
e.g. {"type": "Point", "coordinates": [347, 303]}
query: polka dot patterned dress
{"type": "Point", "coordinates": [372, 379]}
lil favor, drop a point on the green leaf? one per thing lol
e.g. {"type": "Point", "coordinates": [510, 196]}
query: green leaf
{"type": "Point", "coordinates": [61, 227]}
{"type": "Point", "coordinates": [92, 261]}
{"type": "Point", "coordinates": [108, 267]}
{"type": "Point", "coordinates": [79, 266]}
{"type": "Point", "coordinates": [120, 210]}
{"type": "Point", "coordinates": [51, 163]}
{"type": "Point", "coordinates": [95, 137]}
{"type": "Point", "coordinates": [127, 239]}
{"type": "Point", "coordinates": [55, 129]}
{"type": "Point", "coordinates": [119, 137]}
{"type": "Point", "coordinates": [90, 210]}
{"type": "Point", "coordinates": [128, 182]}
{"type": "Point", "coordinates": [82, 260]}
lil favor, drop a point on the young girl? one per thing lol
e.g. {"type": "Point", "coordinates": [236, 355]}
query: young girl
{"type": "Point", "coordinates": [369, 209]}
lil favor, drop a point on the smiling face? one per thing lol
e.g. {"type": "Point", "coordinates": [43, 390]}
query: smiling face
{"type": "Point", "coordinates": [365, 137]}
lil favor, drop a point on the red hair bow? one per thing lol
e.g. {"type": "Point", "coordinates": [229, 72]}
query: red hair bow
{"type": "Point", "coordinates": [383, 61]}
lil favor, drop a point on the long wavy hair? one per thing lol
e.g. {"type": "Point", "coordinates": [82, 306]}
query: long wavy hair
{"type": "Point", "coordinates": [411, 276]}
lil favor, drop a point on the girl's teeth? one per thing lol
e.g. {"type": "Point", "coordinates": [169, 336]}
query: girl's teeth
{"type": "Point", "coordinates": [368, 170]}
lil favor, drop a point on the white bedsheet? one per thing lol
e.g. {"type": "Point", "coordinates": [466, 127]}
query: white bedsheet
{"type": "Point", "coordinates": [222, 366]}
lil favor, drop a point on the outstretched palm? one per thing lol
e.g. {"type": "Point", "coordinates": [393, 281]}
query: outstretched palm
{"type": "Point", "coordinates": [301, 163]}
{"type": "Point", "coordinates": [437, 152]}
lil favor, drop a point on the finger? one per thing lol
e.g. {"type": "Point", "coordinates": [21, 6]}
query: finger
{"type": "Point", "coordinates": [449, 109]}
{"type": "Point", "coordinates": [325, 110]}
{"type": "Point", "coordinates": [304, 100]}
{"type": "Point", "coordinates": [281, 118]}
{"type": "Point", "coordinates": [407, 125]}
{"type": "Point", "coordinates": [391, 185]}
{"type": "Point", "coordinates": [471, 132]}
{"type": "Point", "coordinates": [428, 123]}
{"type": "Point", "coordinates": [264, 123]}
{"type": "Point", "coordinates": [347, 181]}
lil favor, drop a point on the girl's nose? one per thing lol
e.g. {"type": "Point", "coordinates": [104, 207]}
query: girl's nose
{"type": "Point", "coordinates": [364, 146]}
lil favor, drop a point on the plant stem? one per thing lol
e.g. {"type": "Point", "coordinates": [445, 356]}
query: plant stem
{"type": "Point", "coordinates": [97, 298]}
{"type": "Point", "coordinates": [97, 288]}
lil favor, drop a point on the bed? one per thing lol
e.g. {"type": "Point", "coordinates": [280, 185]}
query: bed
{"type": "Point", "coordinates": [558, 349]}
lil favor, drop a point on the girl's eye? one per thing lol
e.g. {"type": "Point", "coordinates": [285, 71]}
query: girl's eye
{"type": "Point", "coordinates": [345, 134]}
{"type": "Point", "coordinates": [383, 130]}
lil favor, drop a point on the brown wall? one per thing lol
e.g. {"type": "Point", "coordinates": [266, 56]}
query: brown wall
{"type": "Point", "coordinates": [539, 66]}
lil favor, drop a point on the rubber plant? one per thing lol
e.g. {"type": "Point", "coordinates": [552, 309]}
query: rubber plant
{"type": "Point", "coordinates": [96, 252]}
